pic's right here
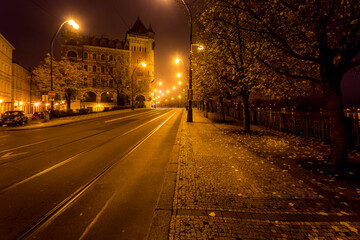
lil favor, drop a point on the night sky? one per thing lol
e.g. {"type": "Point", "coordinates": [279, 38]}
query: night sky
{"type": "Point", "coordinates": [29, 26]}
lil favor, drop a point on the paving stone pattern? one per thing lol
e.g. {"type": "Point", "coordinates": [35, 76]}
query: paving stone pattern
{"type": "Point", "coordinates": [225, 190]}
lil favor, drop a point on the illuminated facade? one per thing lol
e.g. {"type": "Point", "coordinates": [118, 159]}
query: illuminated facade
{"type": "Point", "coordinates": [14, 81]}
{"type": "Point", "coordinates": [101, 57]}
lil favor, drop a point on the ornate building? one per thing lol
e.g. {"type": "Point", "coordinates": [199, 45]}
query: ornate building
{"type": "Point", "coordinates": [111, 65]}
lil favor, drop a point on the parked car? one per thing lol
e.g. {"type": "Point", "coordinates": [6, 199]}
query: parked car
{"type": "Point", "coordinates": [14, 117]}
{"type": "Point", "coordinates": [37, 115]}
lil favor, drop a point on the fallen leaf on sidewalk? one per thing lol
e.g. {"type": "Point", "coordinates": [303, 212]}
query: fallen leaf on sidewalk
{"type": "Point", "coordinates": [323, 213]}
{"type": "Point", "coordinates": [291, 204]}
{"type": "Point", "coordinates": [212, 214]}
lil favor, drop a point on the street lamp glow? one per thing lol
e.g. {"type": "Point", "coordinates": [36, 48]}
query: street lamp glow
{"type": "Point", "coordinates": [179, 96]}
{"type": "Point", "coordinates": [143, 64]}
{"type": "Point", "coordinates": [173, 88]}
{"type": "Point", "coordinates": [178, 75]}
{"type": "Point", "coordinates": [167, 91]}
{"type": "Point", "coordinates": [1, 100]}
{"type": "Point", "coordinates": [73, 24]}
{"type": "Point", "coordinates": [177, 60]}
{"type": "Point", "coordinates": [162, 94]}
{"type": "Point", "coordinates": [160, 91]}
{"type": "Point", "coordinates": [201, 47]}
{"type": "Point", "coordinates": [179, 82]}
{"type": "Point", "coordinates": [160, 83]}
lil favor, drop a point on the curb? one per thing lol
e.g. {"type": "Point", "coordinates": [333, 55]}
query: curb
{"type": "Point", "coordinates": [160, 225]}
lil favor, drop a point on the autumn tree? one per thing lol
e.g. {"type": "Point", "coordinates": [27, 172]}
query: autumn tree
{"type": "Point", "coordinates": [118, 70]}
{"type": "Point", "coordinates": [235, 69]}
{"type": "Point", "coordinates": [67, 78]}
{"type": "Point", "coordinates": [307, 40]}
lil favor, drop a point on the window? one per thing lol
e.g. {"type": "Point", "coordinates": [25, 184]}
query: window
{"type": "Point", "coordinates": [102, 82]}
{"type": "Point", "coordinates": [145, 49]}
{"type": "Point", "coordinates": [86, 67]}
{"type": "Point", "coordinates": [102, 69]}
{"type": "Point", "coordinates": [85, 55]}
{"type": "Point", "coordinates": [94, 83]}
{"type": "Point", "coordinates": [71, 54]}
{"type": "Point", "coordinates": [111, 83]}
{"type": "Point", "coordinates": [111, 70]}
{"type": "Point", "coordinates": [94, 68]}
{"type": "Point", "coordinates": [102, 57]}
{"type": "Point", "coordinates": [85, 82]}
{"type": "Point", "coordinates": [94, 56]}
{"type": "Point", "coordinates": [111, 58]}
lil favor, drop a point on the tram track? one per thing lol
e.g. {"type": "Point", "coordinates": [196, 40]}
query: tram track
{"type": "Point", "coordinates": [51, 215]}
{"type": "Point", "coordinates": [65, 144]}
{"type": "Point", "coordinates": [69, 159]}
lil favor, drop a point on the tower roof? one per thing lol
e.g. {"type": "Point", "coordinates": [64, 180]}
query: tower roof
{"type": "Point", "coordinates": [138, 27]}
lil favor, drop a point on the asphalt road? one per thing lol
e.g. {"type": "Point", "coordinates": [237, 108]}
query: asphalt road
{"type": "Point", "coordinates": [96, 179]}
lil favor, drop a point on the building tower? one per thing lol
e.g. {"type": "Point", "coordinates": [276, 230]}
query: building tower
{"type": "Point", "coordinates": [141, 41]}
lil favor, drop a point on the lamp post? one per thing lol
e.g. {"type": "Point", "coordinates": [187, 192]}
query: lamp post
{"type": "Point", "coordinates": [75, 26]}
{"type": "Point", "coordinates": [143, 64]}
{"type": "Point", "coordinates": [190, 113]}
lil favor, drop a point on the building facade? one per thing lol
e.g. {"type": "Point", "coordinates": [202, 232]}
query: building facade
{"type": "Point", "coordinates": [21, 90]}
{"type": "Point", "coordinates": [6, 51]}
{"type": "Point", "coordinates": [15, 81]}
{"type": "Point", "coordinates": [112, 71]}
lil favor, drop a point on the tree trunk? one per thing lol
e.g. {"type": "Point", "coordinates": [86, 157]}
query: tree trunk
{"type": "Point", "coordinates": [222, 109]}
{"type": "Point", "coordinates": [332, 90]}
{"type": "Point", "coordinates": [246, 113]}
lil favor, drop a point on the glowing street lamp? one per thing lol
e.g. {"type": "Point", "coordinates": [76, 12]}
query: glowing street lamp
{"type": "Point", "coordinates": [178, 75]}
{"type": "Point", "coordinates": [75, 26]}
{"type": "Point", "coordinates": [174, 88]}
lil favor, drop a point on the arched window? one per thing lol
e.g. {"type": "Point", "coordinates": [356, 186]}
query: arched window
{"type": "Point", "coordinates": [90, 97]}
{"type": "Point", "coordinates": [71, 54]}
{"type": "Point", "coordinates": [102, 57]}
{"type": "Point", "coordinates": [111, 57]}
{"type": "Point", "coordinates": [106, 97]}
{"type": "Point", "coordinates": [85, 55]}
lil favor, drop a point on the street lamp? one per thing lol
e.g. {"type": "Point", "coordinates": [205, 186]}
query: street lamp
{"type": "Point", "coordinates": [190, 113]}
{"type": "Point", "coordinates": [75, 26]}
{"type": "Point", "coordinates": [143, 64]}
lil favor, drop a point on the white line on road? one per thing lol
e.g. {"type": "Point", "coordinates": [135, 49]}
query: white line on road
{"type": "Point", "coordinates": [10, 155]}
{"type": "Point", "coordinates": [95, 219]}
{"type": "Point", "coordinates": [11, 149]}
{"type": "Point", "coordinates": [116, 119]}
{"type": "Point", "coordinates": [74, 157]}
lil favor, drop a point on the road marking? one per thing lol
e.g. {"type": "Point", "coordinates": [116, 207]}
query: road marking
{"type": "Point", "coordinates": [11, 149]}
{"type": "Point", "coordinates": [115, 119]}
{"type": "Point", "coordinates": [96, 218]}
{"type": "Point", "coordinates": [10, 155]}
{"type": "Point", "coordinates": [79, 154]}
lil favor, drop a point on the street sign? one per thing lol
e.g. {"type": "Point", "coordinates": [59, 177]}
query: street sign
{"type": "Point", "coordinates": [51, 93]}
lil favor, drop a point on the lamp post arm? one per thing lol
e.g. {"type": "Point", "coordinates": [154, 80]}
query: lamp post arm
{"type": "Point", "coordinates": [52, 54]}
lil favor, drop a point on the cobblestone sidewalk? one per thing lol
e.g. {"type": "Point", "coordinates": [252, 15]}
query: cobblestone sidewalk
{"type": "Point", "coordinates": [226, 191]}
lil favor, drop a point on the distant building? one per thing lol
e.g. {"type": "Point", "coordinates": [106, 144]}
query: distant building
{"type": "Point", "coordinates": [21, 88]}
{"type": "Point", "coordinates": [14, 81]}
{"type": "Point", "coordinates": [6, 50]}
{"type": "Point", "coordinates": [101, 57]}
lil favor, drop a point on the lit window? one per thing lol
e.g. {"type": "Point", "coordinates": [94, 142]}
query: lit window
{"type": "Point", "coordinates": [94, 68]}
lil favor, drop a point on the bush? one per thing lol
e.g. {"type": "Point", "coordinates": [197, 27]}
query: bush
{"type": "Point", "coordinates": [83, 111]}
{"type": "Point", "coordinates": [59, 114]}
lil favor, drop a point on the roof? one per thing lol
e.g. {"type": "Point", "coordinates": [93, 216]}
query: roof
{"type": "Point", "coordinates": [139, 27]}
